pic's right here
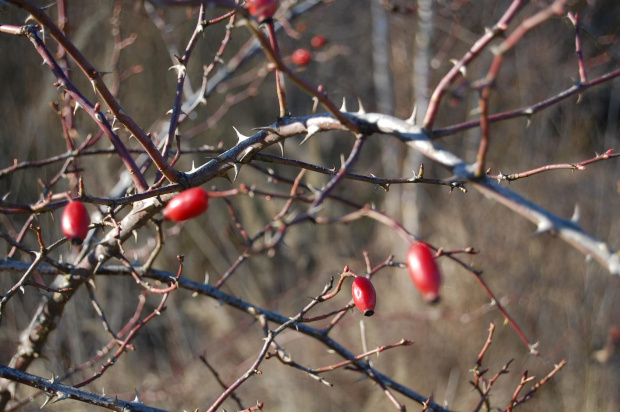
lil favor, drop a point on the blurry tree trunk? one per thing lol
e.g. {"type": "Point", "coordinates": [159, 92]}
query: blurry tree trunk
{"type": "Point", "coordinates": [382, 74]}
{"type": "Point", "coordinates": [384, 92]}
{"type": "Point", "coordinates": [411, 199]}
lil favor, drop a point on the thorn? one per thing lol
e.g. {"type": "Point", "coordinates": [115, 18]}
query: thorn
{"type": "Point", "coordinates": [193, 169]}
{"type": "Point", "coordinates": [544, 226]}
{"type": "Point", "coordinates": [240, 136]}
{"type": "Point", "coordinates": [312, 130]}
{"type": "Point", "coordinates": [236, 167]}
{"type": "Point", "coordinates": [225, 176]}
{"type": "Point", "coordinates": [344, 105]}
{"type": "Point", "coordinates": [137, 398]}
{"type": "Point", "coordinates": [94, 85]}
{"type": "Point", "coordinates": [77, 106]}
{"type": "Point", "coordinates": [315, 104]}
{"type": "Point", "coordinates": [413, 119]}
{"type": "Point", "coordinates": [179, 68]}
{"type": "Point", "coordinates": [576, 214]}
{"type": "Point", "coordinates": [361, 109]}
{"type": "Point", "coordinates": [48, 398]}
{"type": "Point", "coordinates": [61, 396]}
{"type": "Point", "coordinates": [135, 235]}
{"type": "Point", "coordinates": [281, 144]}
{"type": "Point", "coordinates": [53, 379]}
{"type": "Point", "coordinates": [180, 111]}
{"type": "Point", "coordinates": [246, 153]}
{"type": "Point", "coordinates": [529, 113]}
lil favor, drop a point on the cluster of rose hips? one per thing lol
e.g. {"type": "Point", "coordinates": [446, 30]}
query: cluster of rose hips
{"type": "Point", "coordinates": [263, 10]}
{"type": "Point", "coordinates": [191, 203]}
{"type": "Point", "coordinates": [423, 271]}
{"type": "Point", "coordinates": [186, 205]}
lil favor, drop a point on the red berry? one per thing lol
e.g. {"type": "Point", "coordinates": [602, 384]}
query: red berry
{"type": "Point", "coordinates": [75, 221]}
{"type": "Point", "coordinates": [187, 205]}
{"type": "Point", "coordinates": [301, 57]}
{"type": "Point", "coordinates": [364, 295]}
{"type": "Point", "coordinates": [318, 41]}
{"type": "Point", "coordinates": [423, 271]}
{"type": "Point", "coordinates": [262, 9]}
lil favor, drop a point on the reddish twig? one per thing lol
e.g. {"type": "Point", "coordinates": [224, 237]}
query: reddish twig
{"type": "Point", "coordinates": [125, 343]}
{"type": "Point", "coordinates": [556, 8]}
{"type": "Point", "coordinates": [302, 84]}
{"type": "Point", "coordinates": [574, 18]}
{"type": "Point", "coordinates": [529, 111]}
{"type": "Point", "coordinates": [524, 380]}
{"type": "Point", "coordinates": [402, 342]}
{"type": "Point", "coordinates": [531, 347]}
{"type": "Point", "coordinates": [500, 27]}
{"type": "Point", "coordinates": [95, 77]}
{"type": "Point", "coordinates": [219, 380]}
{"type": "Point", "coordinates": [571, 166]}
{"type": "Point", "coordinates": [273, 40]}
{"type": "Point", "coordinates": [538, 385]}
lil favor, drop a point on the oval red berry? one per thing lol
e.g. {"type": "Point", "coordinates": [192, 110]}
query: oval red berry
{"type": "Point", "coordinates": [75, 221]}
{"type": "Point", "coordinates": [262, 9]}
{"type": "Point", "coordinates": [187, 205]}
{"type": "Point", "coordinates": [424, 271]}
{"type": "Point", "coordinates": [364, 295]}
{"type": "Point", "coordinates": [318, 41]}
{"type": "Point", "coordinates": [301, 57]}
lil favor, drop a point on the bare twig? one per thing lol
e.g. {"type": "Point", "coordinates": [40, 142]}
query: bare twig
{"type": "Point", "coordinates": [62, 392]}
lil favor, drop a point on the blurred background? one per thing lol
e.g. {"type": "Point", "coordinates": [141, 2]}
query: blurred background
{"type": "Point", "coordinates": [389, 55]}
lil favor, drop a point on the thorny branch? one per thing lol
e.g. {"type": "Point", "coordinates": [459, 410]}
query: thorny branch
{"type": "Point", "coordinates": [149, 201]}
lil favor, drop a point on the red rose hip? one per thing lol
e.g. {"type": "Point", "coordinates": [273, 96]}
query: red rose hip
{"type": "Point", "coordinates": [364, 295]}
{"type": "Point", "coordinates": [301, 57]}
{"type": "Point", "coordinates": [262, 9]}
{"type": "Point", "coordinates": [423, 271]}
{"type": "Point", "coordinates": [318, 41]}
{"type": "Point", "coordinates": [187, 205]}
{"type": "Point", "coordinates": [75, 221]}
